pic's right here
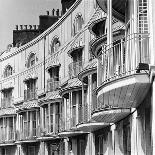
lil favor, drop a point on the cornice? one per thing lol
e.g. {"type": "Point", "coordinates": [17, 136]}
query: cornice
{"type": "Point", "coordinates": [45, 33]}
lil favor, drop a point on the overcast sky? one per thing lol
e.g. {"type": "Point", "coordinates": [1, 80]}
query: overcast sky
{"type": "Point", "coordinates": [21, 12]}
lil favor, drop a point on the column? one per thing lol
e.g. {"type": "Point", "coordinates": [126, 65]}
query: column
{"type": "Point", "coordinates": [133, 133]}
{"type": "Point", "coordinates": [70, 108]}
{"type": "Point", "coordinates": [54, 118]}
{"type": "Point", "coordinates": [153, 117]}
{"type": "Point", "coordinates": [82, 101]}
{"type": "Point", "coordinates": [49, 118]}
{"type": "Point", "coordinates": [90, 103]}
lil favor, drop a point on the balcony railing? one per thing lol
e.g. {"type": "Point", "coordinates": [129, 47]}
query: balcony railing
{"type": "Point", "coordinates": [27, 134]}
{"type": "Point", "coordinates": [30, 94]}
{"type": "Point", "coordinates": [6, 137]}
{"type": "Point", "coordinates": [52, 84]}
{"type": "Point", "coordinates": [7, 102]}
{"type": "Point", "coordinates": [75, 68]}
{"type": "Point", "coordinates": [124, 56]}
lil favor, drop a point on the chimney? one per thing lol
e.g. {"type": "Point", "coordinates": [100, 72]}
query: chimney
{"type": "Point", "coordinates": [57, 12]}
{"type": "Point", "coordinates": [30, 26]}
{"type": "Point", "coordinates": [16, 27]}
{"type": "Point", "coordinates": [47, 13]}
{"type": "Point", "coordinates": [53, 12]}
{"type": "Point", "coordinates": [25, 27]}
{"type": "Point", "coordinates": [21, 27]}
{"type": "Point", "coordinates": [34, 27]}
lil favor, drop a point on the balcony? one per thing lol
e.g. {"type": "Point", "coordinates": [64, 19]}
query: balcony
{"type": "Point", "coordinates": [52, 85]}
{"type": "Point", "coordinates": [67, 128]}
{"type": "Point", "coordinates": [85, 121]}
{"type": "Point", "coordinates": [8, 136]}
{"type": "Point", "coordinates": [30, 94]}
{"type": "Point", "coordinates": [118, 7]}
{"type": "Point", "coordinates": [124, 79]}
{"type": "Point", "coordinates": [75, 68]}
{"type": "Point", "coordinates": [28, 134]}
{"type": "Point", "coordinates": [7, 102]}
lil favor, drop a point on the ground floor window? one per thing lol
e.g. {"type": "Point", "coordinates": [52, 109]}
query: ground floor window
{"type": "Point", "coordinates": [81, 145]}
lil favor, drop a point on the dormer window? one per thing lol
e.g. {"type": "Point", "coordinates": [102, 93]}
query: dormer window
{"type": "Point", "coordinates": [31, 60]}
{"type": "Point", "coordinates": [8, 71]}
{"type": "Point", "coordinates": [77, 25]}
{"type": "Point", "coordinates": [55, 45]}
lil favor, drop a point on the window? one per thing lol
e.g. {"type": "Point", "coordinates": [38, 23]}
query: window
{"type": "Point", "coordinates": [55, 45]}
{"type": "Point", "coordinates": [51, 117]}
{"type": "Point", "coordinates": [31, 60]}
{"type": "Point", "coordinates": [77, 25]}
{"type": "Point", "coordinates": [142, 15]}
{"type": "Point", "coordinates": [31, 150]}
{"type": "Point", "coordinates": [34, 121]}
{"type": "Point", "coordinates": [30, 92]}
{"type": "Point", "coordinates": [7, 98]}
{"type": "Point", "coordinates": [8, 71]}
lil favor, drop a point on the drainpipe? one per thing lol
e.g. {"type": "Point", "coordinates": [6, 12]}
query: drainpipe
{"type": "Point", "coordinates": [44, 62]}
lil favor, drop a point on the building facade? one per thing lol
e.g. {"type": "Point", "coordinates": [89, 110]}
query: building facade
{"type": "Point", "coordinates": [84, 86]}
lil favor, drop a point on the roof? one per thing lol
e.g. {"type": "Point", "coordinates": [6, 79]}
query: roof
{"type": "Point", "coordinates": [7, 111]}
{"type": "Point", "coordinates": [54, 95]}
{"type": "Point", "coordinates": [29, 105]}
{"type": "Point", "coordinates": [91, 66]}
{"type": "Point", "coordinates": [71, 84]}
{"type": "Point", "coordinates": [98, 15]}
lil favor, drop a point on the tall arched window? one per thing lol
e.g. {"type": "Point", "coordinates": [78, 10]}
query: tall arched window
{"type": "Point", "coordinates": [77, 25]}
{"type": "Point", "coordinates": [31, 60]}
{"type": "Point", "coordinates": [8, 71]}
{"type": "Point", "coordinates": [55, 45]}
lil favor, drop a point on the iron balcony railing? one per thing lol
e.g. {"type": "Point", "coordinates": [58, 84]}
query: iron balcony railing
{"type": "Point", "coordinates": [75, 68]}
{"type": "Point", "coordinates": [7, 136]}
{"type": "Point", "coordinates": [52, 84]}
{"type": "Point", "coordinates": [29, 134]}
{"type": "Point", "coordinates": [7, 102]}
{"type": "Point", "coordinates": [124, 57]}
{"type": "Point", "coordinates": [30, 94]}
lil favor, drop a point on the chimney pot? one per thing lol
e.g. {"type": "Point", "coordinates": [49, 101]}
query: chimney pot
{"type": "Point", "coordinates": [47, 13]}
{"type": "Point", "coordinates": [57, 12]}
{"type": "Point", "coordinates": [25, 27]}
{"type": "Point", "coordinates": [53, 12]}
{"type": "Point", "coordinates": [16, 27]}
{"type": "Point", "coordinates": [34, 27]}
{"type": "Point", "coordinates": [30, 26]}
{"type": "Point", "coordinates": [21, 27]}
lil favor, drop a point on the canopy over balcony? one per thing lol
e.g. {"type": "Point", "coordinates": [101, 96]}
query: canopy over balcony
{"type": "Point", "coordinates": [118, 7]}
{"type": "Point", "coordinates": [109, 115]}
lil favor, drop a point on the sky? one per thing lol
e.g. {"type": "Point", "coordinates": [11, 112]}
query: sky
{"type": "Point", "coordinates": [21, 12]}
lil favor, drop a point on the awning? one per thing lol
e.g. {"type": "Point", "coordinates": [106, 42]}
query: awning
{"type": "Point", "coordinates": [7, 111]}
{"type": "Point", "coordinates": [74, 83]}
{"type": "Point", "coordinates": [29, 105]}
{"type": "Point", "coordinates": [51, 96]}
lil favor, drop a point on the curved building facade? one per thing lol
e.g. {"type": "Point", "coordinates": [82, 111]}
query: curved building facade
{"type": "Point", "coordinates": [84, 86]}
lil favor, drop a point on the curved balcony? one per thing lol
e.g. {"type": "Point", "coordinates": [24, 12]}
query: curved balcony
{"type": "Point", "coordinates": [67, 128]}
{"type": "Point", "coordinates": [96, 24]}
{"type": "Point", "coordinates": [118, 8]}
{"type": "Point", "coordinates": [110, 115]}
{"type": "Point", "coordinates": [124, 69]}
{"type": "Point", "coordinates": [88, 68]}
{"type": "Point", "coordinates": [75, 68]}
{"type": "Point", "coordinates": [97, 43]}
{"type": "Point", "coordinates": [86, 123]}
{"type": "Point", "coordinates": [52, 85]}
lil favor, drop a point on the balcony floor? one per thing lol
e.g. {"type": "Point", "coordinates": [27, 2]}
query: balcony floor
{"type": "Point", "coordinates": [125, 92]}
{"type": "Point", "coordinates": [91, 126]}
{"type": "Point", "coordinates": [110, 115]}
